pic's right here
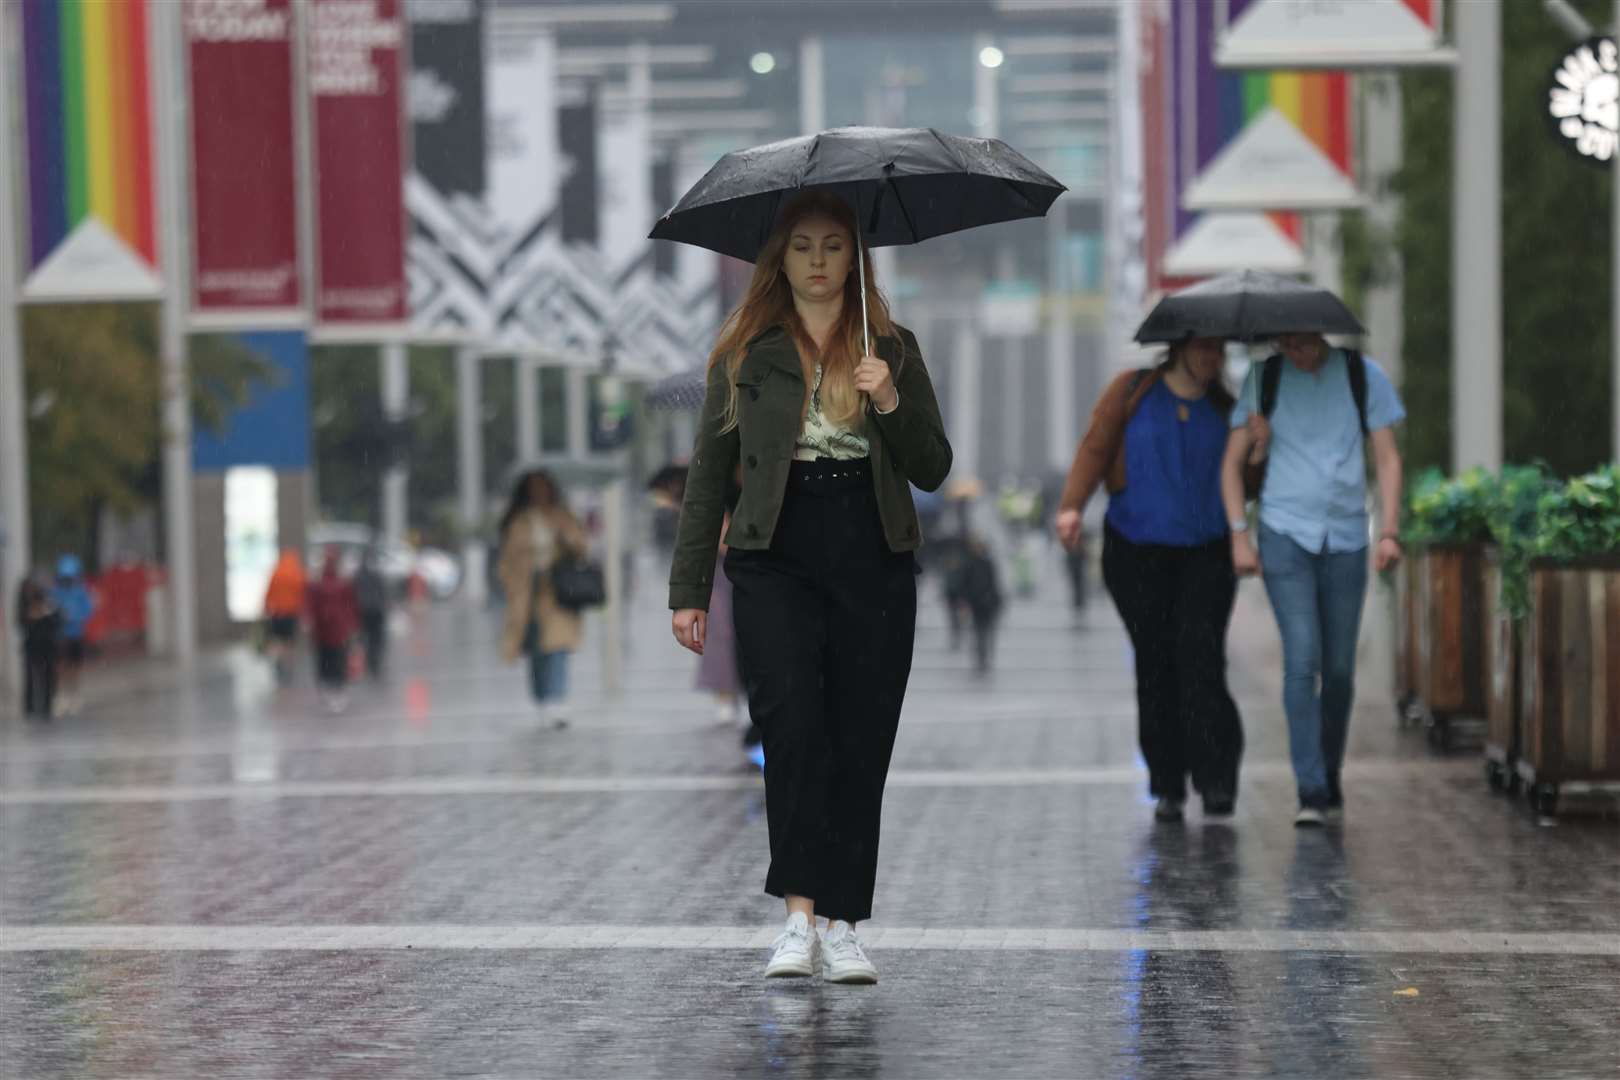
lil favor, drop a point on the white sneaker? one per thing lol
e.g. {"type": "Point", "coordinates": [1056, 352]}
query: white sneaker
{"type": "Point", "coordinates": [845, 961]}
{"type": "Point", "coordinates": [1309, 817]}
{"type": "Point", "coordinates": [796, 950]}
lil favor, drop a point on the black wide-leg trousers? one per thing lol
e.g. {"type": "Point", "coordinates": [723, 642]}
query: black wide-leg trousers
{"type": "Point", "coordinates": [825, 622]}
{"type": "Point", "coordinates": [1176, 603]}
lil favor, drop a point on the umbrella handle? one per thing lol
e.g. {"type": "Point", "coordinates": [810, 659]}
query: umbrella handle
{"type": "Point", "coordinates": [860, 262]}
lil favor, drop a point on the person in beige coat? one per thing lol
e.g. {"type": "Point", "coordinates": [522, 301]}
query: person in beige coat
{"type": "Point", "coordinates": [536, 530]}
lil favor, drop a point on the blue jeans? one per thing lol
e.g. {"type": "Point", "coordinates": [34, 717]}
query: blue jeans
{"type": "Point", "coordinates": [1317, 598]}
{"type": "Point", "coordinates": [548, 675]}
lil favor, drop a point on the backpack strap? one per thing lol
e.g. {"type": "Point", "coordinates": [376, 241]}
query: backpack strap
{"type": "Point", "coordinates": [1356, 364]}
{"type": "Point", "coordinates": [1135, 384]}
{"type": "Point", "coordinates": [1270, 380]}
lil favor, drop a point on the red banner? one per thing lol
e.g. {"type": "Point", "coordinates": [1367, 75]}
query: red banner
{"type": "Point", "coordinates": [356, 93]}
{"type": "Point", "coordinates": [245, 235]}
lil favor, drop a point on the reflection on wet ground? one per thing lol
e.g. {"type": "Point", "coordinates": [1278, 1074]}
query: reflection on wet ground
{"type": "Point", "coordinates": [225, 882]}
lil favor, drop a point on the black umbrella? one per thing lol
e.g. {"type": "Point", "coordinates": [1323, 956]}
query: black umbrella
{"type": "Point", "coordinates": [905, 185]}
{"type": "Point", "coordinates": [680, 392]}
{"type": "Point", "coordinates": [1248, 305]}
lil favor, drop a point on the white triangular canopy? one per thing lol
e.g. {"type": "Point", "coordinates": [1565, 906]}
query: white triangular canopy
{"type": "Point", "coordinates": [1271, 165]}
{"type": "Point", "coordinates": [1328, 33]}
{"type": "Point", "coordinates": [93, 263]}
{"type": "Point", "coordinates": [1233, 240]}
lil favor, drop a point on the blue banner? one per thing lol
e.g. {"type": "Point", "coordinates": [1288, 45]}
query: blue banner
{"type": "Point", "coordinates": [273, 428]}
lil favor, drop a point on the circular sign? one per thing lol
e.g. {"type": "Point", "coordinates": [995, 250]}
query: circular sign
{"type": "Point", "coordinates": [1583, 100]}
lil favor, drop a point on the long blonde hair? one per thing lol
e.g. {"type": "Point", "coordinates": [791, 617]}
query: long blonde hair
{"type": "Point", "coordinates": [769, 303]}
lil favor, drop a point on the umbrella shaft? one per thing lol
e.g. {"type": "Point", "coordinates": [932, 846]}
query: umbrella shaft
{"type": "Point", "coordinates": [860, 263]}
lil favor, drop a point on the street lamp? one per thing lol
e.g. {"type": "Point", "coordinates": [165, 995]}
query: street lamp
{"type": "Point", "coordinates": [991, 57]}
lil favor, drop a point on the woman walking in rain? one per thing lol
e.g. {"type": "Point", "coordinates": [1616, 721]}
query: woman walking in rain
{"type": "Point", "coordinates": [820, 559]}
{"type": "Point", "coordinates": [537, 530]}
{"type": "Point", "coordinates": [1157, 436]}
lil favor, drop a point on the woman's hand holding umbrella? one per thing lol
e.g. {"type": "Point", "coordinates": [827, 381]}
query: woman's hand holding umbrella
{"type": "Point", "coordinates": [874, 379]}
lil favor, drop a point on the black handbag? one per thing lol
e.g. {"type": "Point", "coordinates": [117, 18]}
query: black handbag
{"type": "Point", "coordinates": [578, 583]}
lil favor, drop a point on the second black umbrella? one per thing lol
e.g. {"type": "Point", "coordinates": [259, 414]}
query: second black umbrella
{"type": "Point", "coordinates": [1248, 305]}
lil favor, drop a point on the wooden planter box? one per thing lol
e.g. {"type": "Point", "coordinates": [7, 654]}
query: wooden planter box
{"type": "Point", "coordinates": [1571, 667]}
{"type": "Point", "coordinates": [1503, 696]}
{"type": "Point", "coordinates": [1451, 636]}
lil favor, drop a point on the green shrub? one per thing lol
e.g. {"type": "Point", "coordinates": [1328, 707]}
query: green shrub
{"type": "Point", "coordinates": [1450, 511]}
{"type": "Point", "coordinates": [1513, 517]}
{"type": "Point", "coordinates": [1479, 507]}
{"type": "Point", "coordinates": [1582, 518]}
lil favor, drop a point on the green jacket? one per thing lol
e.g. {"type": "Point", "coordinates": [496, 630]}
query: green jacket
{"type": "Point", "coordinates": [908, 447]}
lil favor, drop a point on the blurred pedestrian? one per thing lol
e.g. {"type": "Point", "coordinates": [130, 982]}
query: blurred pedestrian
{"type": "Point", "coordinates": [820, 559]}
{"type": "Point", "coordinates": [283, 608]}
{"type": "Point", "coordinates": [371, 593]}
{"type": "Point", "coordinates": [981, 591]}
{"type": "Point", "coordinates": [40, 627]}
{"type": "Point", "coordinates": [1310, 412]}
{"type": "Point", "coordinates": [334, 620]}
{"type": "Point", "coordinates": [77, 605]}
{"type": "Point", "coordinates": [537, 531]}
{"type": "Point", "coordinates": [1157, 437]}
{"type": "Point", "coordinates": [1074, 559]}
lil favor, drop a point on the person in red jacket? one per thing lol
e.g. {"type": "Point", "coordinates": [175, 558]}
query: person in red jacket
{"type": "Point", "coordinates": [334, 616]}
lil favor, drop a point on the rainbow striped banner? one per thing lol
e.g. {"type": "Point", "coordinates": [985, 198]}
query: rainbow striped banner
{"type": "Point", "coordinates": [1201, 243]}
{"type": "Point", "coordinates": [1266, 140]}
{"type": "Point", "coordinates": [87, 102]}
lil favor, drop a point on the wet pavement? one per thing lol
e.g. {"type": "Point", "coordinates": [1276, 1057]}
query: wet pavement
{"type": "Point", "coordinates": [222, 881]}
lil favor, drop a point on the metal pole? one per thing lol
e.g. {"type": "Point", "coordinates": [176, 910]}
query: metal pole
{"type": "Point", "coordinates": [967, 393]}
{"type": "Point", "coordinates": [170, 116]}
{"type": "Point", "coordinates": [812, 87]}
{"type": "Point", "coordinates": [470, 463]}
{"type": "Point", "coordinates": [16, 551]}
{"type": "Point", "coordinates": [1013, 367]}
{"type": "Point", "coordinates": [613, 577]}
{"type": "Point", "coordinates": [1476, 242]}
{"type": "Point", "coordinates": [1381, 140]}
{"type": "Point", "coordinates": [527, 409]}
{"type": "Point", "coordinates": [1061, 423]}
{"type": "Point", "coordinates": [578, 404]}
{"type": "Point", "coordinates": [986, 103]}
{"type": "Point", "coordinates": [396, 391]}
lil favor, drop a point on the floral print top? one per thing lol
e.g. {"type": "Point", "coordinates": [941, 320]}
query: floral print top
{"type": "Point", "coordinates": [821, 439]}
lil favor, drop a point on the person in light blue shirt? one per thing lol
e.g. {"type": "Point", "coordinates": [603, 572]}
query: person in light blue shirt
{"type": "Point", "coordinates": [1325, 407]}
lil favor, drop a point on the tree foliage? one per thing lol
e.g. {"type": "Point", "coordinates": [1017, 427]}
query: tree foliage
{"type": "Point", "coordinates": [1557, 270]}
{"type": "Point", "coordinates": [94, 397]}
{"type": "Point", "coordinates": [355, 442]}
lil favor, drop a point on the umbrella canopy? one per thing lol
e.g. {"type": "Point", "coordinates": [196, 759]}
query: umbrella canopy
{"type": "Point", "coordinates": [1249, 305]}
{"type": "Point", "coordinates": [905, 185]}
{"type": "Point", "coordinates": [680, 392]}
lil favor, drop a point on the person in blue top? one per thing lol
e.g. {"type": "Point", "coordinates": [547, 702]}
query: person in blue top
{"type": "Point", "coordinates": [1157, 436]}
{"type": "Point", "coordinates": [1309, 414]}
{"type": "Point", "coordinates": [77, 604]}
